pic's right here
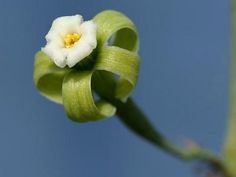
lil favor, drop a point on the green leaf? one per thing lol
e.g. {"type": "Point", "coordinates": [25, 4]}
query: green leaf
{"type": "Point", "coordinates": [78, 99]}
{"type": "Point", "coordinates": [48, 77]}
{"type": "Point", "coordinates": [115, 25]}
{"type": "Point", "coordinates": [121, 57]}
{"type": "Point", "coordinates": [123, 63]}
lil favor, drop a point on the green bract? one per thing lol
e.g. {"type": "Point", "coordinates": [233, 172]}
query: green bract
{"type": "Point", "coordinates": [110, 71]}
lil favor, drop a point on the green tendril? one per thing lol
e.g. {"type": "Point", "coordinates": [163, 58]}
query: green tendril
{"type": "Point", "coordinates": [115, 59]}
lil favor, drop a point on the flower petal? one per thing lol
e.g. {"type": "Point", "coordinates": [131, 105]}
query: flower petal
{"type": "Point", "coordinates": [85, 45]}
{"type": "Point", "coordinates": [56, 54]}
{"type": "Point", "coordinates": [88, 31]}
{"type": "Point", "coordinates": [54, 37]}
{"type": "Point", "coordinates": [66, 24]}
{"type": "Point", "coordinates": [77, 54]}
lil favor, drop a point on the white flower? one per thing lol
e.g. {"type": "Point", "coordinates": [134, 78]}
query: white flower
{"type": "Point", "coordinates": [70, 40]}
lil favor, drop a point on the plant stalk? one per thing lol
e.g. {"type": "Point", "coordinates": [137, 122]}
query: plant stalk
{"type": "Point", "coordinates": [134, 118]}
{"type": "Point", "coordinates": [230, 142]}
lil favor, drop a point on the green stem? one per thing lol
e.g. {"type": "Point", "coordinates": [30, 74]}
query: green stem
{"type": "Point", "coordinates": [130, 114]}
{"type": "Point", "coordinates": [133, 117]}
{"type": "Point", "coordinates": [230, 143]}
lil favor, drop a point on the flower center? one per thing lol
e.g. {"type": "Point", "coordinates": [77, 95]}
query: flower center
{"type": "Point", "coordinates": [71, 39]}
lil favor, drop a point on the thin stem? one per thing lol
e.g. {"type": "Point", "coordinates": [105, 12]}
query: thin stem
{"type": "Point", "coordinates": [230, 143]}
{"type": "Point", "coordinates": [133, 117]}
{"type": "Point", "coordinates": [130, 114]}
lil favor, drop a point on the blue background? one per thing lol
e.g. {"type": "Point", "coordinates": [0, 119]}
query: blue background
{"type": "Point", "coordinates": [183, 87]}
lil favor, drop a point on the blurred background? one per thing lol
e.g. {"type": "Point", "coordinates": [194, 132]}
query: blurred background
{"type": "Point", "coordinates": [183, 88]}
